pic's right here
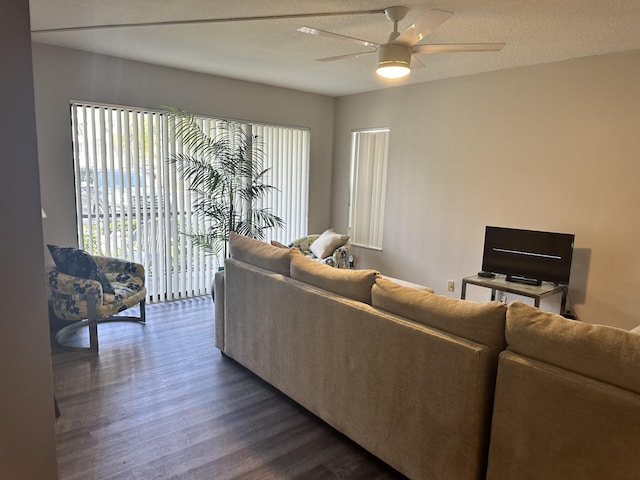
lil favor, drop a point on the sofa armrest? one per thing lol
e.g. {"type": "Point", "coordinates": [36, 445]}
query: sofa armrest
{"type": "Point", "coordinates": [218, 303]}
{"type": "Point", "coordinates": [341, 256]}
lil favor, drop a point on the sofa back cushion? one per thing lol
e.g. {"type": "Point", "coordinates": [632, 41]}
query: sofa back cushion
{"type": "Point", "coordinates": [601, 352]}
{"type": "Point", "coordinates": [480, 322]}
{"type": "Point", "coordinates": [355, 284]}
{"type": "Point", "coordinates": [260, 254]}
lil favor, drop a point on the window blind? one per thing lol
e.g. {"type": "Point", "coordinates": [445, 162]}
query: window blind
{"type": "Point", "coordinates": [132, 204]}
{"type": "Point", "coordinates": [369, 150]}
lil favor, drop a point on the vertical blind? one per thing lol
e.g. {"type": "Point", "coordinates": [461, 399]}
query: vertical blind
{"type": "Point", "coordinates": [284, 148]}
{"type": "Point", "coordinates": [131, 203]}
{"type": "Point", "coordinates": [369, 151]}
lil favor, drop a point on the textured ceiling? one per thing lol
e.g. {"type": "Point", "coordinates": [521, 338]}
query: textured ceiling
{"type": "Point", "coordinates": [275, 53]}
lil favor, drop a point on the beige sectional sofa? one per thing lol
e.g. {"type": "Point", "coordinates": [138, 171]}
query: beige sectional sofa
{"type": "Point", "coordinates": [411, 375]}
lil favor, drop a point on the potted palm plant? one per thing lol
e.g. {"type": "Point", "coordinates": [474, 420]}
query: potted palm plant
{"type": "Point", "coordinates": [223, 168]}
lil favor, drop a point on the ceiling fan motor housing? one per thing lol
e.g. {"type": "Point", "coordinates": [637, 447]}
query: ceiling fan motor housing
{"type": "Point", "coordinates": [394, 54]}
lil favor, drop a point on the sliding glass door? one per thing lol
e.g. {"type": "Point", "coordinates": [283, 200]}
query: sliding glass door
{"type": "Point", "coordinates": [131, 203]}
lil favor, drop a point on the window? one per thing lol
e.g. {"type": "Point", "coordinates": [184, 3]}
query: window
{"type": "Point", "coordinates": [131, 203]}
{"type": "Point", "coordinates": [369, 150]}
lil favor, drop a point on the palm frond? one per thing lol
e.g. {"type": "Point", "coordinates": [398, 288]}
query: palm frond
{"type": "Point", "coordinates": [223, 169]}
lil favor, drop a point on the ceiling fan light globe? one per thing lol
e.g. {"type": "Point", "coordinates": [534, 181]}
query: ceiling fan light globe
{"type": "Point", "coordinates": [393, 71]}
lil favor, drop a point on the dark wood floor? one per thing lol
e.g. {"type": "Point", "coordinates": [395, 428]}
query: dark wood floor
{"type": "Point", "coordinates": [161, 402]}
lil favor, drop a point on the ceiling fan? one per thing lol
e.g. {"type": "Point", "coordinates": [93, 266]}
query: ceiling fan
{"type": "Point", "coordinates": [395, 57]}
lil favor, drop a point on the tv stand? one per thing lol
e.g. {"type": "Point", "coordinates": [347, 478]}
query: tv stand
{"type": "Point", "coordinates": [501, 284]}
{"type": "Point", "coordinates": [523, 280]}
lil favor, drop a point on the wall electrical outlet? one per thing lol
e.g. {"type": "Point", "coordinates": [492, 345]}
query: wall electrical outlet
{"type": "Point", "coordinates": [451, 285]}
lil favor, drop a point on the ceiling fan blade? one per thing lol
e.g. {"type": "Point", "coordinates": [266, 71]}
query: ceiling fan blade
{"type": "Point", "coordinates": [207, 20]}
{"type": "Point", "coordinates": [341, 57]}
{"type": "Point", "coordinates": [416, 62]}
{"type": "Point", "coordinates": [324, 33]}
{"type": "Point", "coordinates": [423, 27]}
{"type": "Point", "coordinates": [458, 47]}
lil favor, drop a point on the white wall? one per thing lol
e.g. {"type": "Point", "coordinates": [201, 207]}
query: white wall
{"type": "Point", "coordinates": [62, 74]}
{"type": "Point", "coordinates": [552, 147]}
{"type": "Point", "coordinates": [27, 437]}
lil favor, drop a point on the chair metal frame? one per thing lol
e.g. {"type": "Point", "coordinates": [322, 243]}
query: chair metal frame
{"type": "Point", "coordinates": [92, 322]}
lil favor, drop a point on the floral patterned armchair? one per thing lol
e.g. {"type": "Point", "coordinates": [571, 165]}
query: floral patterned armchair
{"type": "Point", "coordinates": [338, 259]}
{"type": "Point", "coordinates": [89, 301]}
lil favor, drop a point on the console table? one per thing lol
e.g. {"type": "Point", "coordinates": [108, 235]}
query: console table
{"type": "Point", "coordinates": [499, 283]}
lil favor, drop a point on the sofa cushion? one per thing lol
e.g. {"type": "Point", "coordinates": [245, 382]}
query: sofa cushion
{"type": "Point", "coordinates": [326, 244]}
{"type": "Point", "coordinates": [79, 263]}
{"type": "Point", "coordinates": [355, 284]}
{"type": "Point", "coordinates": [601, 352]}
{"type": "Point", "coordinates": [480, 322]}
{"type": "Point", "coordinates": [260, 254]}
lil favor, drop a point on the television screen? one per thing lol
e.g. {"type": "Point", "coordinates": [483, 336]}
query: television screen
{"type": "Point", "coordinates": [528, 256]}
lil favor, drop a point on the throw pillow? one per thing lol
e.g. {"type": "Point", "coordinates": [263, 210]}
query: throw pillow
{"type": "Point", "coordinates": [79, 263]}
{"type": "Point", "coordinates": [326, 244]}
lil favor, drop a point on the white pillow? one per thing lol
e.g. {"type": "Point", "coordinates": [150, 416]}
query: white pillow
{"type": "Point", "coordinates": [327, 243]}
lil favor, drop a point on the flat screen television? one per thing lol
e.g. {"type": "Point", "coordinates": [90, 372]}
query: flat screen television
{"type": "Point", "coordinates": [528, 256]}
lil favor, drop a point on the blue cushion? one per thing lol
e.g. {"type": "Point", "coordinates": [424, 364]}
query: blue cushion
{"type": "Point", "coordinates": [79, 263]}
